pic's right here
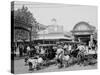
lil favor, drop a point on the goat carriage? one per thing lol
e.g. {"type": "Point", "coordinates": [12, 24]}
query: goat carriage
{"type": "Point", "coordinates": [90, 58]}
{"type": "Point", "coordinates": [77, 56]}
{"type": "Point", "coordinates": [41, 60]}
{"type": "Point", "coordinates": [74, 57]}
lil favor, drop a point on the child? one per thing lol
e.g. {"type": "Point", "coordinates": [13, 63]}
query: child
{"type": "Point", "coordinates": [26, 60]}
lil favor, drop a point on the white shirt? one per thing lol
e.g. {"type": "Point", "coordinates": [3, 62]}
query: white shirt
{"type": "Point", "coordinates": [80, 47]}
{"type": "Point", "coordinates": [59, 50]}
{"type": "Point", "coordinates": [40, 60]}
{"type": "Point", "coordinates": [42, 51]}
{"type": "Point", "coordinates": [28, 48]}
{"type": "Point", "coordinates": [86, 50]}
{"type": "Point", "coordinates": [65, 46]}
{"type": "Point", "coordinates": [69, 47]}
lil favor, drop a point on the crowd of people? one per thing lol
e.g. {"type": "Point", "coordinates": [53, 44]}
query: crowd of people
{"type": "Point", "coordinates": [33, 49]}
{"type": "Point", "coordinates": [62, 52]}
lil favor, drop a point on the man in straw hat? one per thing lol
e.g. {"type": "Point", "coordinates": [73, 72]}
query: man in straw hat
{"type": "Point", "coordinates": [59, 54]}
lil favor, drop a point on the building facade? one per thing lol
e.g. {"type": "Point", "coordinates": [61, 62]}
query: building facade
{"type": "Point", "coordinates": [83, 32]}
{"type": "Point", "coordinates": [53, 34]}
{"type": "Point", "coordinates": [22, 32]}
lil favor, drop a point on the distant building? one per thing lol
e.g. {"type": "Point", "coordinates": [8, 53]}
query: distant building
{"type": "Point", "coordinates": [83, 32]}
{"type": "Point", "coordinates": [52, 29]}
{"type": "Point", "coordinates": [53, 33]}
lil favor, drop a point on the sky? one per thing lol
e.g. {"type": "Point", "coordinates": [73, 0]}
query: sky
{"type": "Point", "coordinates": [65, 14]}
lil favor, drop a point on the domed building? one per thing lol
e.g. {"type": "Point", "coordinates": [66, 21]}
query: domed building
{"type": "Point", "coordinates": [53, 33]}
{"type": "Point", "coordinates": [83, 32]}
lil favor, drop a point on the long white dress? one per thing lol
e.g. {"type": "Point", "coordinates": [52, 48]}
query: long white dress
{"type": "Point", "coordinates": [17, 51]}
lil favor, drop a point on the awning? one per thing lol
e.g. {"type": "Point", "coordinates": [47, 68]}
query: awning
{"type": "Point", "coordinates": [54, 37]}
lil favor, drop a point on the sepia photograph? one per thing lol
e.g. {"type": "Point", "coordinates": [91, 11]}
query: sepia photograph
{"type": "Point", "coordinates": [53, 37]}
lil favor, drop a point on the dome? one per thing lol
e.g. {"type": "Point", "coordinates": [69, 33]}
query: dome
{"type": "Point", "coordinates": [82, 26]}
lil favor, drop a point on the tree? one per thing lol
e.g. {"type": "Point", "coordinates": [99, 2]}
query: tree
{"type": "Point", "coordinates": [25, 18]}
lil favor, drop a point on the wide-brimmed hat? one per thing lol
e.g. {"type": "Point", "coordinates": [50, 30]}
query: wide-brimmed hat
{"type": "Point", "coordinates": [60, 46]}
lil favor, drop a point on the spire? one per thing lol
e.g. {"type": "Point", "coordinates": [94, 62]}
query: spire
{"type": "Point", "coordinates": [54, 21]}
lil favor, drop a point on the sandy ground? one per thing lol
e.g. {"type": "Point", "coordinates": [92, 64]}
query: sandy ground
{"type": "Point", "coordinates": [20, 68]}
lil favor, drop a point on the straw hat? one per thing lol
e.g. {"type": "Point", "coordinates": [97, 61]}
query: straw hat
{"type": "Point", "coordinates": [59, 46]}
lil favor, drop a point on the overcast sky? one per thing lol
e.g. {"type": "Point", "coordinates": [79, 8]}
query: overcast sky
{"type": "Point", "coordinates": [66, 15]}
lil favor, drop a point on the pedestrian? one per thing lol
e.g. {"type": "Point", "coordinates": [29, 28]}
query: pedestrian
{"type": "Point", "coordinates": [21, 50]}
{"type": "Point", "coordinates": [28, 50]}
{"type": "Point", "coordinates": [69, 48]}
{"type": "Point", "coordinates": [65, 49]}
{"type": "Point", "coordinates": [17, 51]}
{"type": "Point", "coordinates": [59, 54]}
{"type": "Point", "coordinates": [37, 49]}
{"type": "Point", "coordinates": [25, 50]}
{"type": "Point", "coordinates": [59, 50]}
